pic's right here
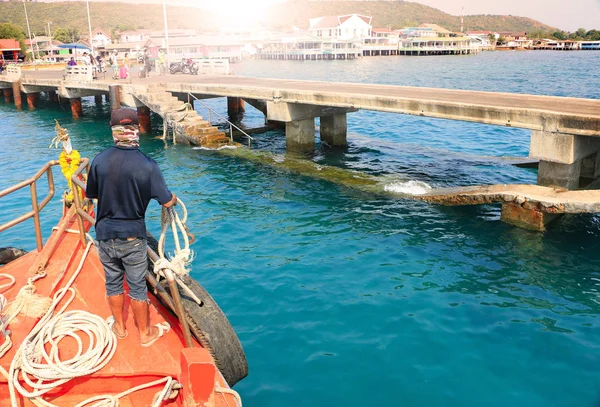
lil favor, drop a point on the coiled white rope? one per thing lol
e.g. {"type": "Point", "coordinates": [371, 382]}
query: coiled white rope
{"type": "Point", "coordinates": [38, 362]}
{"type": "Point", "coordinates": [5, 320]}
{"type": "Point", "coordinates": [182, 257]}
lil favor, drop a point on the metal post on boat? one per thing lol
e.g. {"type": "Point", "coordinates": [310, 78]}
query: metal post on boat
{"type": "Point", "coordinates": [187, 336]}
{"type": "Point", "coordinates": [175, 305]}
{"type": "Point", "coordinates": [36, 217]}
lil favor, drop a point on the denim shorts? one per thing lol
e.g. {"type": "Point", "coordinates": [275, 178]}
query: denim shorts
{"type": "Point", "coordinates": [121, 259]}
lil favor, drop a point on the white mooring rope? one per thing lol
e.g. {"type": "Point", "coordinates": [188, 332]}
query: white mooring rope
{"type": "Point", "coordinates": [182, 257]}
{"type": "Point", "coordinates": [38, 362]}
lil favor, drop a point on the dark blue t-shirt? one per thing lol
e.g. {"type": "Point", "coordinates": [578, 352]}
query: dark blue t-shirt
{"type": "Point", "coordinates": [124, 179]}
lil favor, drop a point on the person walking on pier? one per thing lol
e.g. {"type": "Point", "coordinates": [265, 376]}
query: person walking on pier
{"type": "Point", "coordinates": [114, 63]}
{"type": "Point", "coordinates": [124, 180]}
{"type": "Point", "coordinates": [162, 67]}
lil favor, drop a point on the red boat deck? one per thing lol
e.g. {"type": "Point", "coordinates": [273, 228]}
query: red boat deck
{"type": "Point", "coordinates": [132, 364]}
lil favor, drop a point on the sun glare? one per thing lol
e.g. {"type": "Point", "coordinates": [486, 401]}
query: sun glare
{"type": "Point", "coordinates": [240, 13]}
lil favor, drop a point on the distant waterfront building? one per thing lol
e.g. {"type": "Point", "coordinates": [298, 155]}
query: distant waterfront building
{"type": "Point", "coordinates": [134, 36]}
{"type": "Point", "coordinates": [438, 46]}
{"type": "Point", "coordinates": [351, 26]}
{"type": "Point", "coordinates": [304, 46]}
{"type": "Point", "coordinates": [383, 41]}
{"type": "Point", "coordinates": [200, 46]}
{"type": "Point", "coordinates": [485, 37]}
{"type": "Point", "coordinates": [100, 38]}
{"type": "Point", "coordinates": [590, 45]}
{"type": "Point", "coordinates": [438, 30]}
{"type": "Point", "coordinates": [10, 49]}
{"type": "Point", "coordinates": [44, 48]}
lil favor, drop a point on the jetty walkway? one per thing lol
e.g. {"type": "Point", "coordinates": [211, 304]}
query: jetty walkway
{"type": "Point", "coordinates": [565, 131]}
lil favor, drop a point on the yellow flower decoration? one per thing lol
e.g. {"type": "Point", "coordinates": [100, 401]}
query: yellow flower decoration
{"type": "Point", "coordinates": [69, 164]}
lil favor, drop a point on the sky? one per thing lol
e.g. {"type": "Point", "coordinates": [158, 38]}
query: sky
{"type": "Point", "coordinates": [565, 14]}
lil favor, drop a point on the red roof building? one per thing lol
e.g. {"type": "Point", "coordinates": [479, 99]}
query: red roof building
{"type": "Point", "coordinates": [10, 49]}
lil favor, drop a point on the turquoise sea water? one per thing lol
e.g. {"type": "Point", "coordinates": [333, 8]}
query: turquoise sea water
{"type": "Point", "coordinates": [344, 299]}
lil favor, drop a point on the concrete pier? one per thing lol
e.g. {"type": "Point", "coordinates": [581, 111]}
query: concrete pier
{"type": "Point", "coordinates": [76, 109]}
{"type": "Point", "coordinates": [32, 100]}
{"type": "Point", "coordinates": [561, 156]}
{"type": "Point", "coordinates": [334, 129]}
{"type": "Point", "coordinates": [144, 118]}
{"type": "Point", "coordinates": [527, 206]}
{"type": "Point", "coordinates": [17, 95]}
{"type": "Point", "coordinates": [98, 99]}
{"type": "Point", "coordinates": [8, 95]}
{"type": "Point", "coordinates": [300, 136]}
{"type": "Point", "coordinates": [565, 131]}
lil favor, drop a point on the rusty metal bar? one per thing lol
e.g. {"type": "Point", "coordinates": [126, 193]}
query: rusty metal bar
{"type": "Point", "coordinates": [25, 183]}
{"type": "Point", "coordinates": [175, 305]}
{"type": "Point", "coordinates": [187, 335]}
{"type": "Point", "coordinates": [78, 186]}
{"type": "Point", "coordinates": [160, 290]}
{"type": "Point", "coordinates": [35, 204]}
{"type": "Point", "coordinates": [36, 216]}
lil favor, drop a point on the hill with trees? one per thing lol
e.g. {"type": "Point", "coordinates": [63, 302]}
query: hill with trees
{"type": "Point", "coordinates": [113, 16]}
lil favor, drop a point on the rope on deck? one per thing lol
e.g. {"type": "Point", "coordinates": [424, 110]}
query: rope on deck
{"type": "Point", "coordinates": [38, 361]}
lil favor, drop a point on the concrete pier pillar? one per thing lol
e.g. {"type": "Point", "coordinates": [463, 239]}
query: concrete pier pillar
{"type": "Point", "coordinates": [32, 100]}
{"type": "Point", "coordinates": [300, 135]}
{"type": "Point", "coordinates": [17, 95]}
{"type": "Point", "coordinates": [559, 175]}
{"type": "Point", "coordinates": [334, 130]}
{"type": "Point", "coordinates": [235, 106]}
{"type": "Point", "coordinates": [107, 98]}
{"type": "Point", "coordinates": [53, 96]}
{"type": "Point", "coordinates": [561, 157]}
{"type": "Point", "coordinates": [76, 109]}
{"type": "Point", "coordinates": [144, 117]}
{"type": "Point", "coordinates": [98, 99]}
{"type": "Point", "coordinates": [8, 95]}
{"type": "Point", "coordinates": [526, 217]}
{"type": "Point", "coordinates": [114, 92]}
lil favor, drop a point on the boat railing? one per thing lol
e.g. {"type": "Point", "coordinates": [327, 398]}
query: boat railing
{"type": "Point", "coordinates": [36, 205]}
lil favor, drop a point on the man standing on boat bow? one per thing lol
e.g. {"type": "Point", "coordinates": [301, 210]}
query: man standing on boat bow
{"type": "Point", "coordinates": [124, 180]}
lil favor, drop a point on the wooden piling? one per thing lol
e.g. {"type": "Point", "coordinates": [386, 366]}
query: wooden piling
{"type": "Point", "coordinates": [17, 95]}
{"type": "Point", "coordinates": [32, 100]}
{"type": "Point", "coordinates": [8, 95]}
{"type": "Point", "coordinates": [76, 109]}
{"type": "Point", "coordinates": [235, 106]}
{"type": "Point", "coordinates": [144, 118]}
{"type": "Point", "coordinates": [114, 92]}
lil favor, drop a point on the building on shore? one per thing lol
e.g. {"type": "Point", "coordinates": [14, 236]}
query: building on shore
{"type": "Point", "coordinates": [46, 49]}
{"type": "Point", "coordinates": [100, 38]}
{"type": "Point", "coordinates": [438, 46]}
{"type": "Point", "coordinates": [383, 41]}
{"type": "Point", "coordinates": [9, 49]}
{"type": "Point", "coordinates": [513, 41]}
{"type": "Point", "coordinates": [303, 46]}
{"type": "Point", "coordinates": [487, 39]}
{"type": "Point", "coordinates": [200, 46]}
{"type": "Point", "coordinates": [346, 27]}
{"type": "Point", "coordinates": [566, 45]}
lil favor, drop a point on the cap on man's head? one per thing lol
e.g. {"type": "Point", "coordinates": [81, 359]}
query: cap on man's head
{"type": "Point", "coordinates": [124, 117]}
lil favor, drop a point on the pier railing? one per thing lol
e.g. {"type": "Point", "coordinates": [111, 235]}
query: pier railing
{"type": "Point", "coordinates": [231, 125]}
{"type": "Point", "coordinates": [36, 206]}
